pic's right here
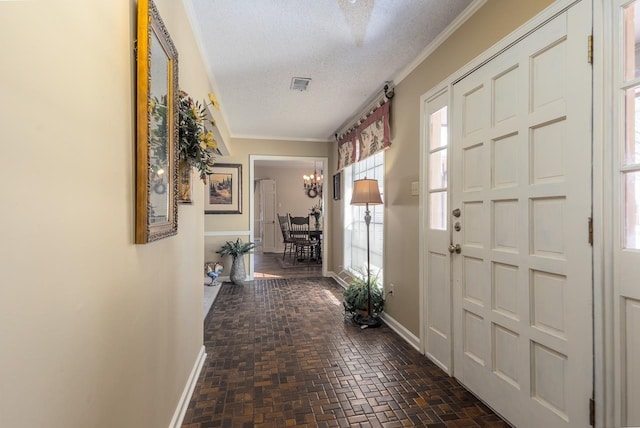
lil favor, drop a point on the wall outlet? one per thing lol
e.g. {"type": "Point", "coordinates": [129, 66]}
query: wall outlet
{"type": "Point", "coordinates": [391, 290]}
{"type": "Point", "coordinates": [415, 188]}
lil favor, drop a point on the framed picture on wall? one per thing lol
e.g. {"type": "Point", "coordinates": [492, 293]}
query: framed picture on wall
{"type": "Point", "coordinates": [336, 186]}
{"type": "Point", "coordinates": [156, 132]}
{"type": "Point", "coordinates": [223, 192]}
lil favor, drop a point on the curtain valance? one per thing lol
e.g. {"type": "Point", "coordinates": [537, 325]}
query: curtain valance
{"type": "Point", "coordinates": [369, 135]}
{"type": "Point", "coordinates": [373, 133]}
{"type": "Point", "coordinates": [347, 149]}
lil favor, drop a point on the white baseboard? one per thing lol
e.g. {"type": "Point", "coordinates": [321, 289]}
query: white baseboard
{"type": "Point", "coordinates": [337, 278]}
{"type": "Point", "coordinates": [341, 280]}
{"type": "Point", "coordinates": [394, 325]}
{"type": "Point", "coordinates": [181, 410]}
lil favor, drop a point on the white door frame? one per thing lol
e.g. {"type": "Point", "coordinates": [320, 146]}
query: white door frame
{"type": "Point", "coordinates": [602, 174]}
{"type": "Point", "coordinates": [326, 234]}
{"type": "Point", "coordinates": [608, 122]}
{"type": "Point", "coordinates": [602, 213]}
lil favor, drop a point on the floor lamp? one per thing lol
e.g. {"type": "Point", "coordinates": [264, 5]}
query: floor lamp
{"type": "Point", "coordinates": [366, 192]}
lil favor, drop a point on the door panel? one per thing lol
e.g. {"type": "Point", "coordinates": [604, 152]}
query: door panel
{"type": "Point", "coordinates": [438, 344]}
{"type": "Point", "coordinates": [521, 174]}
{"type": "Point", "coordinates": [631, 341]}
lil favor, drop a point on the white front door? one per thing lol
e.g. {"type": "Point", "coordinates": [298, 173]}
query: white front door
{"type": "Point", "coordinates": [521, 179]}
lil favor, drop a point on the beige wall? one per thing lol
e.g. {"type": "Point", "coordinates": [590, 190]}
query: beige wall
{"type": "Point", "coordinates": [96, 331]}
{"type": "Point", "coordinates": [242, 149]}
{"type": "Point", "coordinates": [495, 20]}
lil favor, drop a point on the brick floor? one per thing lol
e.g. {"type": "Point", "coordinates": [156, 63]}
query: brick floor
{"type": "Point", "coordinates": [281, 354]}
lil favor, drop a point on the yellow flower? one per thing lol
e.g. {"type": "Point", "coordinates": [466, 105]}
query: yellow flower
{"type": "Point", "coordinates": [214, 101]}
{"type": "Point", "coordinates": [194, 112]}
{"type": "Point", "coordinates": [210, 141]}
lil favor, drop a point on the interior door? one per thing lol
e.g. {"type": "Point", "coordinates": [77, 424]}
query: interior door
{"type": "Point", "coordinates": [257, 213]}
{"type": "Point", "coordinates": [438, 343]}
{"type": "Point", "coordinates": [521, 178]}
{"type": "Point", "coordinates": [626, 213]}
{"type": "Point", "coordinates": [268, 196]}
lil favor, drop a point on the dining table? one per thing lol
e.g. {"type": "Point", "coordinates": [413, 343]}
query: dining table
{"type": "Point", "coordinates": [316, 235]}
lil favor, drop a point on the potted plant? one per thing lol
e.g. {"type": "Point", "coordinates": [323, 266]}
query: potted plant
{"type": "Point", "coordinates": [355, 297]}
{"type": "Point", "coordinates": [237, 250]}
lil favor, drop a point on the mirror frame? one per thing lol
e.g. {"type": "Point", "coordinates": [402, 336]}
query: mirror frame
{"type": "Point", "coordinates": [149, 23]}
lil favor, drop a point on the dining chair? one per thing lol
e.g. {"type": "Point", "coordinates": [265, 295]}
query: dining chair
{"type": "Point", "coordinates": [287, 239]}
{"type": "Point", "coordinates": [303, 244]}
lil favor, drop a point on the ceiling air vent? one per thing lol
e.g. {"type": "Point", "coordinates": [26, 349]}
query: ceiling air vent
{"type": "Point", "coordinates": [300, 83]}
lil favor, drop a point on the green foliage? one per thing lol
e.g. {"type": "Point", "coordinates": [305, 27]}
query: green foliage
{"type": "Point", "coordinates": [196, 144]}
{"type": "Point", "coordinates": [235, 249]}
{"type": "Point", "coordinates": [355, 296]}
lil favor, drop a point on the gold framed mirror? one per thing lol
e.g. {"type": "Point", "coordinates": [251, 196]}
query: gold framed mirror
{"type": "Point", "coordinates": [157, 128]}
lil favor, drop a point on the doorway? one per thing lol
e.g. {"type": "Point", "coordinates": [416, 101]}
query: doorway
{"type": "Point", "coordinates": [286, 173]}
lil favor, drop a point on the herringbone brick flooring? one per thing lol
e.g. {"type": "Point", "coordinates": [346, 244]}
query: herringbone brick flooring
{"type": "Point", "coordinates": [280, 354]}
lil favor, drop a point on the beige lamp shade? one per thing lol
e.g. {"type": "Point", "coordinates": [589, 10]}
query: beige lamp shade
{"type": "Point", "coordinates": [366, 191]}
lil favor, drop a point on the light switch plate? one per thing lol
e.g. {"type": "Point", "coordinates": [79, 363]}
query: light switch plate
{"type": "Point", "coordinates": [415, 188]}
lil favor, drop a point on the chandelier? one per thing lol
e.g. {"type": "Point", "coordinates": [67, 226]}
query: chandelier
{"type": "Point", "coordinates": [313, 183]}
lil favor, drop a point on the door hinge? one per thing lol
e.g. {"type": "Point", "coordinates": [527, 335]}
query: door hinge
{"type": "Point", "coordinates": [590, 49]}
{"type": "Point", "coordinates": [592, 412]}
{"type": "Point", "coordinates": [590, 231]}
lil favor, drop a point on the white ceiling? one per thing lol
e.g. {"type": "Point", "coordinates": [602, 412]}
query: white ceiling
{"type": "Point", "coordinates": [349, 48]}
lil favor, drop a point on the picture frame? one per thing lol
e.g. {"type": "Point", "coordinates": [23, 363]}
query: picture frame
{"type": "Point", "coordinates": [223, 191]}
{"type": "Point", "coordinates": [156, 128]}
{"type": "Point", "coordinates": [336, 186]}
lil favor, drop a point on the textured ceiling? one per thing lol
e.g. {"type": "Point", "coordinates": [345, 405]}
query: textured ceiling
{"type": "Point", "coordinates": [348, 48]}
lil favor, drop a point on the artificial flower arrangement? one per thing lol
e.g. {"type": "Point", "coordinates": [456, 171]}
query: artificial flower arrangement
{"type": "Point", "coordinates": [196, 144]}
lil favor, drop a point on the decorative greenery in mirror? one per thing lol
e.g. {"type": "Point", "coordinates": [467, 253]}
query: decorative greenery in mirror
{"type": "Point", "coordinates": [157, 128]}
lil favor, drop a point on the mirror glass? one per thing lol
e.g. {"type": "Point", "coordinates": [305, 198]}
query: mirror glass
{"type": "Point", "coordinates": [158, 150]}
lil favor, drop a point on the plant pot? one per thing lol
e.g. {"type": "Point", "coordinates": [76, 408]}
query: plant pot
{"type": "Point", "coordinates": [184, 182]}
{"type": "Point", "coordinates": [238, 273]}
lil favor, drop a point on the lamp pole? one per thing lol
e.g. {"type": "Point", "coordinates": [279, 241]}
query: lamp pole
{"type": "Point", "coordinates": [367, 220]}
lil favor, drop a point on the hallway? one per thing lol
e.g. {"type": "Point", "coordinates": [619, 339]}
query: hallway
{"type": "Point", "coordinates": [280, 354]}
